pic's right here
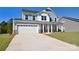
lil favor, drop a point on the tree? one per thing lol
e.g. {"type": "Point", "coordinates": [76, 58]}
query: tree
{"type": "Point", "coordinates": [10, 26]}
{"type": "Point", "coordinates": [0, 28]}
{"type": "Point", "coordinates": [3, 27]}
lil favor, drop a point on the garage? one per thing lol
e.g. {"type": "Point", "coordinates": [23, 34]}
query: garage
{"type": "Point", "coordinates": [29, 28]}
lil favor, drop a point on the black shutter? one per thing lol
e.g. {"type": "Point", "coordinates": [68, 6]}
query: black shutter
{"type": "Point", "coordinates": [26, 17]}
{"type": "Point", "coordinates": [41, 17]}
{"type": "Point", "coordinates": [50, 19]}
{"type": "Point", "coordinates": [33, 17]}
{"type": "Point", "coordinates": [55, 19]}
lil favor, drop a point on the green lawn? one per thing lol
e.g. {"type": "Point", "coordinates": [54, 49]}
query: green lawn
{"type": "Point", "coordinates": [70, 37]}
{"type": "Point", "coordinates": [4, 41]}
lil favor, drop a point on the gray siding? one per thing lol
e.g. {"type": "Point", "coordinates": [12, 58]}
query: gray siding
{"type": "Point", "coordinates": [71, 26]}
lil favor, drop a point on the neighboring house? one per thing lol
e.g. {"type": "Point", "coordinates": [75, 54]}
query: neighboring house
{"type": "Point", "coordinates": [37, 22]}
{"type": "Point", "coordinates": [70, 24]}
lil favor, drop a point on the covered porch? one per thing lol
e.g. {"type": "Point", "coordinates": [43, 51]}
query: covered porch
{"type": "Point", "coordinates": [47, 28]}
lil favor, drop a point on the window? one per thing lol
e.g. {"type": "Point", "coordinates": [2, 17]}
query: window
{"type": "Point", "coordinates": [33, 17]}
{"type": "Point", "coordinates": [26, 17]}
{"type": "Point", "coordinates": [43, 17]}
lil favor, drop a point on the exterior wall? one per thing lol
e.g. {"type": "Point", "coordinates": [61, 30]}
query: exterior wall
{"type": "Point", "coordinates": [29, 17]}
{"type": "Point", "coordinates": [53, 16]}
{"type": "Point", "coordinates": [43, 14]}
{"type": "Point", "coordinates": [47, 17]}
{"type": "Point", "coordinates": [38, 17]}
{"type": "Point", "coordinates": [23, 16]}
{"type": "Point", "coordinates": [71, 26]}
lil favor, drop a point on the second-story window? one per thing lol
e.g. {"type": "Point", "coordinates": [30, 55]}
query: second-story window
{"type": "Point", "coordinates": [33, 17]}
{"type": "Point", "coordinates": [26, 17]}
{"type": "Point", "coordinates": [43, 17]}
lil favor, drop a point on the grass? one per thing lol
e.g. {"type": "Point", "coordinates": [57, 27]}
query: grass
{"type": "Point", "coordinates": [5, 40]}
{"type": "Point", "coordinates": [69, 37]}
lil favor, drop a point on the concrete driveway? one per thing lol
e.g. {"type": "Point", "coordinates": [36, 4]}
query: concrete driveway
{"type": "Point", "coordinates": [38, 42]}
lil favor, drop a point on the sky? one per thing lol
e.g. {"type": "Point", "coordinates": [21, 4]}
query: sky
{"type": "Point", "coordinates": [15, 12]}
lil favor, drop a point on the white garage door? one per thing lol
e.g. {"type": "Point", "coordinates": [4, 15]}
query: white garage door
{"type": "Point", "coordinates": [26, 29]}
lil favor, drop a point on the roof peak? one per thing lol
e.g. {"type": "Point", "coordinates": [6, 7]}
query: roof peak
{"type": "Point", "coordinates": [49, 9]}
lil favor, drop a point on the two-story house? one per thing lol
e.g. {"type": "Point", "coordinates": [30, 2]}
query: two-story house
{"type": "Point", "coordinates": [37, 22]}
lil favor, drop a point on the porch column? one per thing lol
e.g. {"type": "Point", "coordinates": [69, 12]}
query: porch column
{"type": "Point", "coordinates": [39, 28]}
{"type": "Point", "coordinates": [51, 27]}
{"type": "Point", "coordinates": [48, 28]}
{"type": "Point", "coordinates": [43, 28]}
{"type": "Point", "coordinates": [57, 28]}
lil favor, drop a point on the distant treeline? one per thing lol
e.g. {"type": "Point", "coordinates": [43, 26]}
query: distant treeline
{"type": "Point", "coordinates": [6, 27]}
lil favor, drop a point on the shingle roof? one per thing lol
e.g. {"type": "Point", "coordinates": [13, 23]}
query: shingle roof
{"type": "Point", "coordinates": [38, 12]}
{"type": "Point", "coordinates": [31, 11]}
{"type": "Point", "coordinates": [70, 18]}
